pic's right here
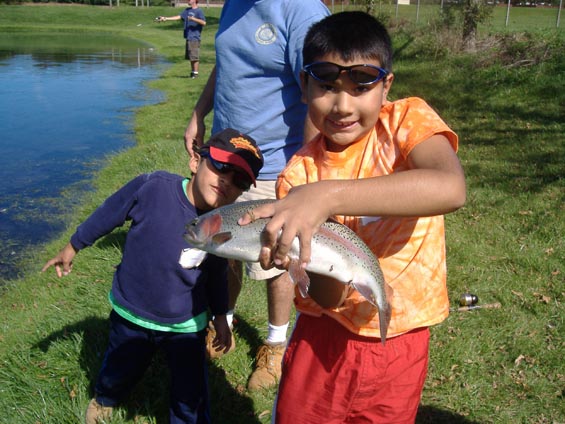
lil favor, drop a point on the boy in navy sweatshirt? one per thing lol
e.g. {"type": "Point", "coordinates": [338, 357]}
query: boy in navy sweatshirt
{"type": "Point", "coordinates": [163, 288]}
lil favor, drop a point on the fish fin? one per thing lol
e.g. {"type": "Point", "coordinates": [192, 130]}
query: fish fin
{"type": "Point", "coordinates": [385, 313]}
{"type": "Point", "coordinates": [211, 226]}
{"type": "Point", "coordinates": [388, 290]}
{"type": "Point", "coordinates": [366, 292]}
{"type": "Point", "coordinates": [299, 276]}
{"type": "Point", "coordinates": [221, 238]}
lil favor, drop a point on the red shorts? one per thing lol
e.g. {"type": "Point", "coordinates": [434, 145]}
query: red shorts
{"type": "Point", "coordinates": [332, 376]}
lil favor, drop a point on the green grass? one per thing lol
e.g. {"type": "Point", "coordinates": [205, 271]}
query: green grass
{"type": "Point", "coordinates": [506, 245]}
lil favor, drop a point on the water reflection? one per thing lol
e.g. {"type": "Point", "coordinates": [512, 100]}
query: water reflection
{"type": "Point", "coordinates": [66, 102]}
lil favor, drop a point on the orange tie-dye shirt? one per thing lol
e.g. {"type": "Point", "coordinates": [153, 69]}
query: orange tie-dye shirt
{"type": "Point", "coordinates": [411, 251]}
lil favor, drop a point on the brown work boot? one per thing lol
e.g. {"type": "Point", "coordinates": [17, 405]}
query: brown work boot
{"type": "Point", "coordinates": [267, 366]}
{"type": "Point", "coordinates": [210, 352]}
{"type": "Point", "coordinates": [96, 413]}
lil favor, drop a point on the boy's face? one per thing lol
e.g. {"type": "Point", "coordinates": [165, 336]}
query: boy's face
{"type": "Point", "coordinates": [342, 110]}
{"type": "Point", "coordinates": [211, 188]}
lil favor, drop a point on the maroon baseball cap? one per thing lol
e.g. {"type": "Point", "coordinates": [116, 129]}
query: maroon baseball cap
{"type": "Point", "coordinates": [238, 149]}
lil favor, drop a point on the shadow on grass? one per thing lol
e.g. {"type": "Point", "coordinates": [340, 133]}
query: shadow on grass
{"type": "Point", "coordinates": [433, 415]}
{"type": "Point", "coordinates": [150, 396]}
{"type": "Point", "coordinates": [249, 332]}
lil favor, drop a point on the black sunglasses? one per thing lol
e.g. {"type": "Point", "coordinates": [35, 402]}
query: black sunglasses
{"type": "Point", "coordinates": [359, 74]}
{"type": "Point", "coordinates": [240, 179]}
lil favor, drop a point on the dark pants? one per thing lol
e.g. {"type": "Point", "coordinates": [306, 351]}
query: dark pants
{"type": "Point", "coordinates": [128, 355]}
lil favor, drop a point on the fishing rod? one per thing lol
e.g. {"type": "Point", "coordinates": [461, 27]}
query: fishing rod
{"type": "Point", "coordinates": [469, 302]}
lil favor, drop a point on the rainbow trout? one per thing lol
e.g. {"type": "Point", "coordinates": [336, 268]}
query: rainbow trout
{"type": "Point", "coordinates": [337, 252]}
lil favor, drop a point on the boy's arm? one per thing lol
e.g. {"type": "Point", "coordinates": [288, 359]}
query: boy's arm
{"type": "Point", "coordinates": [217, 293]}
{"type": "Point", "coordinates": [111, 214]}
{"type": "Point", "coordinates": [222, 341]}
{"type": "Point", "coordinates": [169, 18]}
{"type": "Point", "coordinates": [217, 284]}
{"type": "Point", "coordinates": [434, 185]}
{"type": "Point", "coordinates": [197, 20]}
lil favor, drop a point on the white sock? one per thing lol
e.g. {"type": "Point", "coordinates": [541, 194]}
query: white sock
{"type": "Point", "coordinates": [277, 333]}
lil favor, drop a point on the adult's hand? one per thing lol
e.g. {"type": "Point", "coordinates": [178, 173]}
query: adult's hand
{"type": "Point", "coordinates": [194, 134]}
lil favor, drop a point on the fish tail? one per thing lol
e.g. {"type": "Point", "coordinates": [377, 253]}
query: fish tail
{"type": "Point", "coordinates": [385, 314]}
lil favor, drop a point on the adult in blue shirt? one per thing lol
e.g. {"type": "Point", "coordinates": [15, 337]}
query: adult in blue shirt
{"type": "Point", "coordinates": [255, 86]}
{"type": "Point", "coordinates": [194, 22]}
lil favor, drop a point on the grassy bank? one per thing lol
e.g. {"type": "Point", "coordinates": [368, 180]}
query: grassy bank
{"type": "Point", "coordinates": [506, 245]}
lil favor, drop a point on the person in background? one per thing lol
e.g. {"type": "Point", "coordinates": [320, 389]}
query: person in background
{"type": "Point", "coordinates": [389, 171]}
{"type": "Point", "coordinates": [255, 86]}
{"type": "Point", "coordinates": [194, 22]}
{"type": "Point", "coordinates": [163, 288]}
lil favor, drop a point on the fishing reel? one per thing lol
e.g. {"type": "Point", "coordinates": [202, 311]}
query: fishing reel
{"type": "Point", "coordinates": [468, 299]}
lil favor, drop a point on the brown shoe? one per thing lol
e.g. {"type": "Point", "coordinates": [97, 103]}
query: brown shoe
{"type": "Point", "coordinates": [210, 352]}
{"type": "Point", "coordinates": [267, 366]}
{"type": "Point", "coordinates": [96, 413]}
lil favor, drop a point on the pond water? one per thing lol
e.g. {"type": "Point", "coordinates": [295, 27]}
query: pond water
{"type": "Point", "coordinates": [66, 103]}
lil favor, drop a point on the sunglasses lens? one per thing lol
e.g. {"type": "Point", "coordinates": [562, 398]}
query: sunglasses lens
{"type": "Point", "coordinates": [364, 74]}
{"type": "Point", "coordinates": [325, 71]}
{"type": "Point", "coordinates": [359, 74]}
{"type": "Point", "coordinates": [222, 168]}
{"type": "Point", "coordinates": [240, 179]}
{"type": "Point", "coordinates": [242, 183]}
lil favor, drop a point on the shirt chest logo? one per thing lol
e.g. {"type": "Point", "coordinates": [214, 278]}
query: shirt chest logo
{"type": "Point", "coordinates": [266, 34]}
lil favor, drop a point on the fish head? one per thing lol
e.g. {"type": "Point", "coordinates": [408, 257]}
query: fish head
{"type": "Point", "coordinates": [205, 233]}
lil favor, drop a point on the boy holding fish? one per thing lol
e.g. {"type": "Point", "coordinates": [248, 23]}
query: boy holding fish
{"type": "Point", "coordinates": [163, 288]}
{"type": "Point", "coordinates": [389, 171]}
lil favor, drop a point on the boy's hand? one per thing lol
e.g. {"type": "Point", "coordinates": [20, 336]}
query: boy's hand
{"type": "Point", "coordinates": [300, 214]}
{"type": "Point", "coordinates": [63, 262]}
{"type": "Point", "coordinates": [222, 341]}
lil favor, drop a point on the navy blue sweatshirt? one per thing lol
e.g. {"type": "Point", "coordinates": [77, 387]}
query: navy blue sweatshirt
{"type": "Point", "coordinates": [150, 282]}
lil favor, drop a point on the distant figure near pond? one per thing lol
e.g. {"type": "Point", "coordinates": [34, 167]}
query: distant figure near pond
{"type": "Point", "coordinates": [194, 22]}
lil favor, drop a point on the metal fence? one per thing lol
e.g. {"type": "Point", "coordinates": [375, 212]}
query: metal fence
{"type": "Point", "coordinates": [510, 14]}
{"type": "Point", "coordinates": [514, 15]}
{"type": "Point", "coordinates": [521, 15]}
